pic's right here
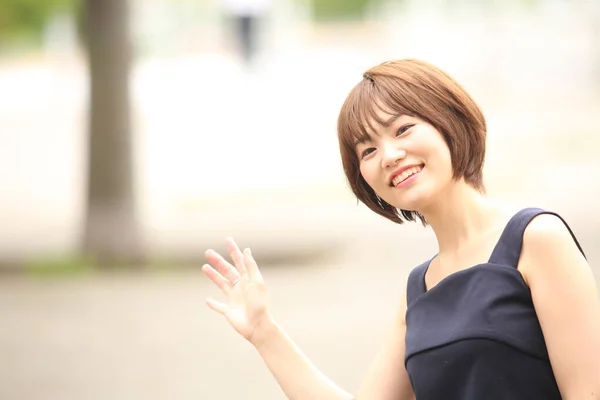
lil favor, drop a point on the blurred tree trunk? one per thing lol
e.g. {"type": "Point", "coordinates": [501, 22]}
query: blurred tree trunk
{"type": "Point", "coordinates": [111, 234]}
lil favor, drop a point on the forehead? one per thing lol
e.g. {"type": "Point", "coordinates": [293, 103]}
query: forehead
{"type": "Point", "coordinates": [376, 124]}
{"type": "Point", "coordinates": [368, 110]}
{"type": "Point", "coordinates": [383, 118]}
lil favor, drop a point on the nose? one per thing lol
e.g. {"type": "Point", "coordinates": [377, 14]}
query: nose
{"type": "Point", "coordinates": [391, 155]}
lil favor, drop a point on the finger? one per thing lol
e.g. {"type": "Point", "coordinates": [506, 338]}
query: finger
{"type": "Point", "coordinates": [227, 270]}
{"type": "Point", "coordinates": [219, 307]}
{"type": "Point", "coordinates": [217, 278]}
{"type": "Point", "coordinates": [251, 265]}
{"type": "Point", "coordinates": [236, 255]}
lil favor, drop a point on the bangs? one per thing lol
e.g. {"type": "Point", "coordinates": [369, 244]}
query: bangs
{"type": "Point", "coordinates": [365, 108]}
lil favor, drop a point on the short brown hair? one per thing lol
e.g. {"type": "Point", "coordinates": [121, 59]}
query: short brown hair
{"type": "Point", "coordinates": [418, 89]}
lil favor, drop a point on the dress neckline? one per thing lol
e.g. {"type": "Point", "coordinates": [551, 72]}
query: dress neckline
{"type": "Point", "coordinates": [505, 232]}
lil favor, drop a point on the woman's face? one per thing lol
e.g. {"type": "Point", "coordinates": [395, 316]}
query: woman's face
{"type": "Point", "coordinates": [406, 163]}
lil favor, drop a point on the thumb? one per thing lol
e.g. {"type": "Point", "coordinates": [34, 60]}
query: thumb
{"type": "Point", "coordinates": [219, 307]}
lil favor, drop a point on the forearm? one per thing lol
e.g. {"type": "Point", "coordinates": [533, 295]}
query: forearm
{"type": "Point", "coordinates": [296, 375]}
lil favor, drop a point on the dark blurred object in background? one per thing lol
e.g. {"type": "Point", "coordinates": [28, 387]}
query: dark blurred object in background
{"type": "Point", "coordinates": [244, 19]}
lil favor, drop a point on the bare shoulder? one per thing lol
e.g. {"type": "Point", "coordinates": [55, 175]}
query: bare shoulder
{"type": "Point", "coordinates": [549, 234]}
{"type": "Point", "coordinates": [565, 297]}
{"type": "Point", "coordinates": [547, 240]}
{"type": "Point", "coordinates": [546, 227]}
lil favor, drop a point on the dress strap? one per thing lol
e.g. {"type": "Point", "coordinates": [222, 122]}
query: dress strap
{"type": "Point", "coordinates": [416, 282]}
{"type": "Point", "coordinates": [508, 249]}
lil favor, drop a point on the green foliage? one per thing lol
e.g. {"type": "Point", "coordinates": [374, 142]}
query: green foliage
{"type": "Point", "coordinates": [339, 9]}
{"type": "Point", "coordinates": [59, 266]}
{"type": "Point", "coordinates": [27, 18]}
{"type": "Point", "coordinates": [523, 4]}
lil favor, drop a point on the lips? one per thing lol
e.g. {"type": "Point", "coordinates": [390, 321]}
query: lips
{"type": "Point", "coordinates": [404, 173]}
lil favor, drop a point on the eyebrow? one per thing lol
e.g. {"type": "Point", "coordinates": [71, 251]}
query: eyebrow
{"type": "Point", "coordinates": [385, 123]}
{"type": "Point", "coordinates": [361, 140]}
{"type": "Point", "coordinates": [392, 119]}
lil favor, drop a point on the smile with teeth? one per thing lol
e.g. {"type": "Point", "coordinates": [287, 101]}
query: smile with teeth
{"type": "Point", "coordinates": [405, 175]}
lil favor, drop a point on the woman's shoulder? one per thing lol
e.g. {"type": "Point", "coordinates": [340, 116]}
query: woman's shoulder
{"type": "Point", "coordinates": [549, 244]}
{"type": "Point", "coordinates": [536, 222]}
{"type": "Point", "coordinates": [549, 231]}
{"type": "Point", "coordinates": [540, 227]}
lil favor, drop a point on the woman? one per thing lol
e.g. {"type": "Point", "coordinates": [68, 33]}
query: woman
{"type": "Point", "coordinates": [507, 309]}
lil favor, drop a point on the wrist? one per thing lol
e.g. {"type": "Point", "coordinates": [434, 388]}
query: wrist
{"type": "Point", "coordinates": [264, 333]}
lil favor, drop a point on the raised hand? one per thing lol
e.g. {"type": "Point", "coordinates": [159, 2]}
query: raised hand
{"type": "Point", "coordinates": [246, 307]}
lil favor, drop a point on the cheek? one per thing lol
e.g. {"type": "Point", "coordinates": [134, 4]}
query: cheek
{"type": "Point", "coordinates": [364, 172]}
{"type": "Point", "coordinates": [368, 174]}
{"type": "Point", "coordinates": [441, 161]}
{"type": "Point", "coordinates": [446, 161]}
{"type": "Point", "coordinates": [442, 171]}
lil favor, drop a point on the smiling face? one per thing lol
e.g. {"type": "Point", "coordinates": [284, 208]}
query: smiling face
{"type": "Point", "coordinates": [407, 164]}
{"type": "Point", "coordinates": [409, 113]}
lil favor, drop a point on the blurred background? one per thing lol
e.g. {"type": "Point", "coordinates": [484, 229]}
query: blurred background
{"type": "Point", "coordinates": [136, 134]}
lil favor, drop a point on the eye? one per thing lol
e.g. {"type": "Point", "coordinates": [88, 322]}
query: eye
{"type": "Point", "coordinates": [366, 152]}
{"type": "Point", "coordinates": [404, 128]}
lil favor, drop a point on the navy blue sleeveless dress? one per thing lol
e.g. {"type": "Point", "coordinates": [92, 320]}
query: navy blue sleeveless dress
{"type": "Point", "coordinates": [476, 335]}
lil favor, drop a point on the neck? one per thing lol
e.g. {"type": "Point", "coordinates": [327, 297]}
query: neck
{"type": "Point", "coordinates": [463, 216]}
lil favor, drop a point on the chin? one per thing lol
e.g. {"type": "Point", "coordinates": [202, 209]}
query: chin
{"type": "Point", "coordinates": [412, 201]}
{"type": "Point", "coordinates": [409, 205]}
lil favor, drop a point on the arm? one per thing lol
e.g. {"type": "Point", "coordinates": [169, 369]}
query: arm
{"type": "Point", "coordinates": [246, 311]}
{"type": "Point", "coordinates": [566, 300]}
{"type": "Point", "coordinates": [387, 378]}
{"type": "Point", "coordinates": [296, 375]}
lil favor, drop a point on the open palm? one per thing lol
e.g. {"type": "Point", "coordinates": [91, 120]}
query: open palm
{"type": "Point", "coordinates": [242, 283]}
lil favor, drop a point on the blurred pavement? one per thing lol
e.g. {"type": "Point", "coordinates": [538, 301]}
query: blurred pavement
{"type": "Point", "coordinates": [150, 336]}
